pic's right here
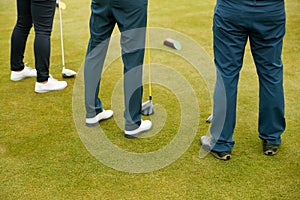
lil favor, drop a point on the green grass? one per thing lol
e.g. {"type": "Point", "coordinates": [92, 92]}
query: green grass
{"type": "Point", "coordinates": [42, 156]}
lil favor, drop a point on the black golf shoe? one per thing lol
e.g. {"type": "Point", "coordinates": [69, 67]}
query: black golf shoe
{"type": "Point", "coordinates": [206, 145]}
{"type": "Point", "coordinates": [270, 149]}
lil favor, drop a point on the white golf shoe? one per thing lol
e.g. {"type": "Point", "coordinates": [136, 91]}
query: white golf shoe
{"type": "Point", "coordinates": [27, 72]}
{"type": "Point", "coordinates": [144, 127]}
{"type": "Point", "coordinates": [51, 85]}
{"type": "Point", "coordinates": [105, 114]}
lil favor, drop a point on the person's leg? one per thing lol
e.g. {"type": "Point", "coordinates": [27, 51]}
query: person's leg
{"type": "Point", "coordinates": [20, 35]}
{"type": "Point", "coordinates": [101, 26]}
{"type": "Point", "coordinates": [230, 38]}
{"type": "Point", "coordinates": [42, 12]}
{"type": "Point", "coordinates": [266, 41]}
{"type": "Point", "coordinates": [131, 17]}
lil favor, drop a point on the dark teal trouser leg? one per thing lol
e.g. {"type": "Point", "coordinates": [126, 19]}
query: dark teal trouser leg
{"type": "Point", "coordinates": [133, 30]}
{"type": "Point", "coordinates": [101, 26]}
{"type": "Point", "coordinates": [266, 48]}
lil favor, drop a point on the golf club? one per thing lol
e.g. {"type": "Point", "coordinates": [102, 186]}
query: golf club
{"type": "Point", "coordinates": [147, 107]}
{"type": "Point", "coordinates": [66, 73]}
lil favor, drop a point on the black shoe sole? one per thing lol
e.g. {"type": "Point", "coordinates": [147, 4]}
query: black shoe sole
{"type": "Point", "coordinates": [221, 155]}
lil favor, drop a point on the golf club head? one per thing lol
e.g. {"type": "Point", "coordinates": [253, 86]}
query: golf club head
{"type": "Point", "coordinates": [61, 5]}
{"type": "Point", "coordinates": [67, 73]}
{"type": "Point", "coordinates": [209, 119]}
{"type": "Point", "coordinates": [147, 108]}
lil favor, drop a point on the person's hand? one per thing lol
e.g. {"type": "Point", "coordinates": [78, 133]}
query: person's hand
{"type": "Point", "coordinates": [57, 3]}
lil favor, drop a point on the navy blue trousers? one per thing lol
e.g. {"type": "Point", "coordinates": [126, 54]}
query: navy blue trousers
{"type": "Point", "coordinates": [262, 22]}
{"type": "Point", "coordinates": [131, 18]}
{"type": "Point", "coordinates": [41, 14]}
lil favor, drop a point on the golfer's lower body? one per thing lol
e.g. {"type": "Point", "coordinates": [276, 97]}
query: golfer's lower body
{"type": "Point", "coordinates": [40, 14]}
{"type": "Point", "coordinates": [263, 23]}
{"type": "Point", "coordinates": [131, 18]}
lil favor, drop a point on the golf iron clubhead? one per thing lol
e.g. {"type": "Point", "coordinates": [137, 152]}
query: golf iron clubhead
{"type": "Point", "coordinates": [68, 73]}
{"type": "Point", "coordinates": [147, 108]}
{"type": "Point", "coordinates": [209, 119]}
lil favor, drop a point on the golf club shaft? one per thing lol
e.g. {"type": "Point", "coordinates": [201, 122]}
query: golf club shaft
{"type": "Point", "coordinates": [61, 35]}
{"type": "Point", "coordinates": [149, 61]}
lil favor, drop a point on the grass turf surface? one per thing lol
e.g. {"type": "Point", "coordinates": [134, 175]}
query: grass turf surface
{"type": "Point", "coordinates": [42, 156]}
